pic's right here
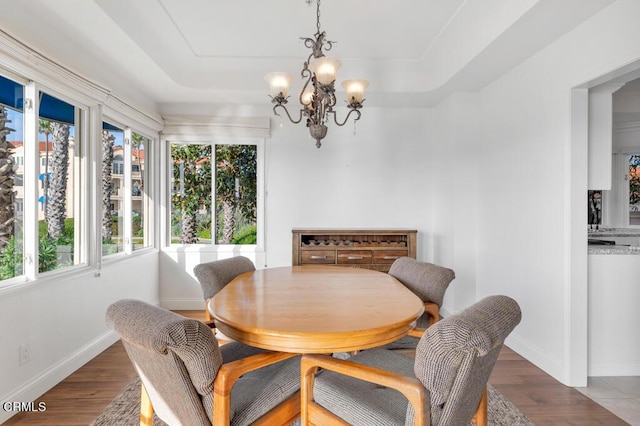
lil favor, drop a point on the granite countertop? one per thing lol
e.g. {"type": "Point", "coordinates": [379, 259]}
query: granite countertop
{"type": "Point", "coordinates": [614, 250]}
{"type": "Point", "coordinates": [614, 232]}
{"type": "Point", "coordinates": [609, 233]}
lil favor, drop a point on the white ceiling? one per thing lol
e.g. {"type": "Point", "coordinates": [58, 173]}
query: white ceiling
{"type": "Point", "coordinates": [413, 52]}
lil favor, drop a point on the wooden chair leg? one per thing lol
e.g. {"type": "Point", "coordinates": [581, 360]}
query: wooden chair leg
{"type": "Point", "coordinates": [481, 418]}
{"type": "Point", "coordinates": [207, 314]}
{"type": "Point", "coordinates": [146, 408]}
{"type": "Point", "coordinates": [432, 310]}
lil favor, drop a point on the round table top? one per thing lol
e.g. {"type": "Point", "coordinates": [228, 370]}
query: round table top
{"type": "Point", "coordinates": [315, 309]}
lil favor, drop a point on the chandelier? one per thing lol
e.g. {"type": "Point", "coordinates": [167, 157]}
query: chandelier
{"type": "Point", "coordinates": [317, 97]}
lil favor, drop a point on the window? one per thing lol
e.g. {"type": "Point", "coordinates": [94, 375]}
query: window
{"type": "Point", "coordinates": [118, 165]}
{"type": "Point", "coordinates": [214, 205]}
{"type": "Point", "coordinates": [12, 193]}
{"type": "Point", "coordinates": [126, 202]}
{"type": "Point", "coordinates": [112, 189]}
{"type": "Point", "coordinates": [634, 189]}
{"type": "Point", "coordinates": [58, 217]}
{"type": "Point", "coordinates": [139, 197]}
{"type": "Point", "coordinates": [46, 196]}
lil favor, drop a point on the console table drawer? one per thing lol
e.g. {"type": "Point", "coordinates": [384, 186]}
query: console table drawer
{"type": "Point", "coordinates": [373, 249]}
{"type": "Point", "coordinates": [319, 256]}
{"type": "Point", "coordinates": [354, 256]}
{"type": "Point", "coordinates": [388, 256]}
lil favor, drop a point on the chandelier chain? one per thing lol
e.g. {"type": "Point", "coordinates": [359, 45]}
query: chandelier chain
{"type": "Point", "coordinates": [318, 16]}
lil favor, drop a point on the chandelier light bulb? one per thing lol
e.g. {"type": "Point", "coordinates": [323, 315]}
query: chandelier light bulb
{"type": "Point", "coordinates": [355, 90]}
{"type": "Point", "coordinates": [279, 83]}
{"type": "Point", "coordinates": [307, 97]}
{"type": "Point", "coordinates": [325, 68]}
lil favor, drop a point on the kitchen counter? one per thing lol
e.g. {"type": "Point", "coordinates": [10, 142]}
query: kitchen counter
{"type": "Point", "coordinates": [614, 232]}
{"type": "Point", "coordinates": [627, 241]}
{"type": "Point", "coordinates": [614, 250]}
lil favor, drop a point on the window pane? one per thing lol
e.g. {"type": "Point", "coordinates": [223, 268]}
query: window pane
{"type": "Point", "coordinates": [191, 195]}
{"type": "Point", "coordinates": [11, 178]}
{"type": "Point", "coordinates": [236, 167]}
{"type": "Point", "coordinates": [112, 189]}
{"type": "Point", "coordinates": [634, 189]}
{"type": "Point", "coordinates": [139, 196]}
{"type": "Point", "coordinates": [57, 216]}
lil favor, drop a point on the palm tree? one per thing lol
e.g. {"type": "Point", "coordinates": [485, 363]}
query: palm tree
{"type": "Point", "coordinates": [57, 205]}
{"type": "Point", "coordinates": [7, 214]}
{"type": "Point", "coordinates": [44, 126]}
{"type": "Point", "coordinates": [235, 187]}
{"type": "Point", "coordinates": [137, 142]}
{"type": "Point", "coordinates": [192, 186]}
{"type": "Point", "coordinates": [107, 165]}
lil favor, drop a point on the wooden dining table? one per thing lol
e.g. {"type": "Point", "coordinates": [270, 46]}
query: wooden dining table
{"type": "Point", "coordinates": [315, 309]}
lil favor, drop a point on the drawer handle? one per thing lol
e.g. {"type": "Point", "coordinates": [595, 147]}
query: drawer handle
{"type": "Point", "coordinates": [355, 257]}
{"type": "Point", "coordinates": [391, 257]}
{"type": "Point", "coordinates": [318, 257]}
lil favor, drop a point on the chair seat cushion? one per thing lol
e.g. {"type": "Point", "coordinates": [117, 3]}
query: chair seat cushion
{"type": "Point", "coordinates": [363, 403]}
{"type": "Point", "coordinates": [257, 392]}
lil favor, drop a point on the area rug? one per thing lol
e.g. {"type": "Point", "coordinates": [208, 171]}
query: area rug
{"type": "Point", "coordinates": [124, 410]}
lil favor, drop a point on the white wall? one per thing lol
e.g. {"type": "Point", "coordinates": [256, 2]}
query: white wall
{"type": "Point", "coordinates": [528, 172]}
{"type": "Point", "coordinates": [63, 320]}
{"type": "Point", "coordinates": [378, 178]}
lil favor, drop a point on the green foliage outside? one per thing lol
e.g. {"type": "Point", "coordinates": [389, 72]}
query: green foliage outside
{"type": "Point", "coordinates": [137, 225]}
{"type": "Point", "coordinates": [246, 235]}
{"type": "Point", "coordinates": [10, 261]}
{"type": "Point", "coordinates": [52, 253]}
{"type": "Point", "coordinates": [55, 253]}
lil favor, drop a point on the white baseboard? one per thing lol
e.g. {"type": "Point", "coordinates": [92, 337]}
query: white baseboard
{"type": "Point", "coordinates": [598, 370]}
{"type": "Point", "coordinates": [536, 356]}
{"type": "Point", "coordinates": [40, 384]}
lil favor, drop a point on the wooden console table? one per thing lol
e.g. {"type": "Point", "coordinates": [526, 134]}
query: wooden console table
{"type": "Point", "coordinates": [361, 248]}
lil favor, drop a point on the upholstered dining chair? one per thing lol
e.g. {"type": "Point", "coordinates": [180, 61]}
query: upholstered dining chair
{"type": "Point", "coordinates": [214, 276]}
{"type": "Point", "coordinates": [187, 379]}
{"type": "Point", "coordinates": [427, 281]}
{"type": "Point", "coordinates": [446, 384]}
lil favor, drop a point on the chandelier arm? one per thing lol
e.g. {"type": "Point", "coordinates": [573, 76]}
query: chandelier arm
{"type": "Point", "coordinates": [335, 119]}
{"type": "Point", "coordinates": [304, 71]}
{"type": "Point", "coordinates": [288, 115]}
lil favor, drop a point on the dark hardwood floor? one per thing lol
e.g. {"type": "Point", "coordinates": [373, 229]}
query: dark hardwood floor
{"type": "Point", "coordinates": [83, 395]}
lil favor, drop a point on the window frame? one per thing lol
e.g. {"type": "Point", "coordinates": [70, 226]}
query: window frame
{"type": "Point", "coordinates": [23, 82]}
{"type": "Point", "coordinates": [79, 165]}
{"type": "Point", "coordinates": [213, 139]}
{"type": "Point", "coordinates": [96, 103]}
{"type": "Point", "coordinates": [127, 189]}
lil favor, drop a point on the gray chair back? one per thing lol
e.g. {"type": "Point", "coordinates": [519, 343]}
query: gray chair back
{"type": "Point", "coordinates": [213, 276]}
{"type": "Point", "coordinates": [176, 358]}
{"type": "Point", "coordinates": [455, 357]}
{"type": "Point", "coordinates": [426, 280]}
